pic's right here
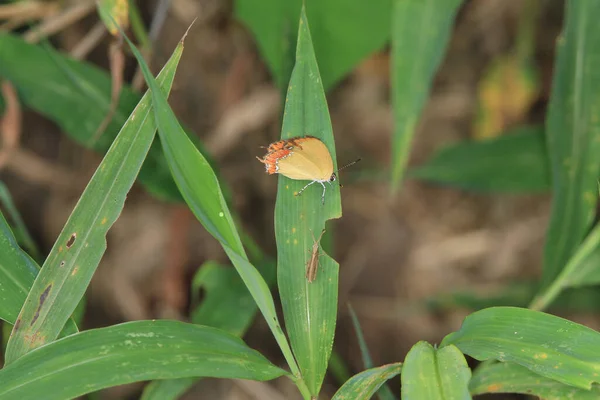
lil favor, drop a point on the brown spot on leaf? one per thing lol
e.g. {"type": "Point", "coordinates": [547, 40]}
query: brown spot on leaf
{"type": "Point", "coordinates": [17, 324]}
{"type": "Point", "coordinates": [71, 240]}
{"type": "Point", "coordinates": [62, 263]}
{"type": "Point", "coordinates": [42, 300]}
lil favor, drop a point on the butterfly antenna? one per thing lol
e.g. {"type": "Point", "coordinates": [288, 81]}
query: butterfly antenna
{"type": "Point", "coordinates": [349, 164]}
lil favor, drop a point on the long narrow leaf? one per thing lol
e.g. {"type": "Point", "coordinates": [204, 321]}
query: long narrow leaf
{"type": "Point", "coordinates": [573, 135]}
{"type": "Point", "coordinates": [17, 274]}
{"type": "Point", "coordinates": [167, 389]}
{"type": "Point", "coordinates": [384, 393]}
{"type": "Point", "coordinates": [201, 190]}
{"type": "Point", "coordinates": [367, 383]}
{"type": "Point", "coordinates": [517, 161]}
{"type": "Point", "coordinates": [73, 260]}
{"type": "Point", "coordinates": [77, 96]}
{"type": "Point", "coordinates": [131, 352]}
{"type": "Point", "coordinates": [583, 269]}
{"type": "Point", "coordinates": [227, 305]}
{"type": "Point", "coordinates": [513, 378]}
{"type": "Point", "coordinates": [547, 345]}
{"type": "Point", "coordinates": [420, 31]}
{"type": "Point", "coordinates": [309, 308]}
{"type": "Point", "coordinates": [20, 229]}
{"type": "Point", "coordinates": [358, 29]}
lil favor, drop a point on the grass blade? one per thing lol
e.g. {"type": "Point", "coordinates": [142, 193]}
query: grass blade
{"type": "Point", "coordinates": [573, 135]}
{"type": "Point", "coordinates": [167, 389]}
{"type": "Point", "coordinates": [549, 346]}
{"type": "Point", "coordinates": [17, 274]}
{"type": "Point", "coordinates": [384, 392]}
{"type": "Point", "coordinates": [131, 352]}
{"type": "Point", "coordinates": [513, 378]}
{"type": "Point", "coordinates": [516, 161]}
{"type": "Point", "coordinates": [77, 97]}
{"type": "Point", "coordinates": [80, 246]}
{"type": "Point", "coordinates": [581, 270]}
{"type": "Point", "coordinates": [200, 188]}
{"type": "Point", "coordinates": [20, 228]}
{"type": "Point", "coordinates": [358, 29]}
{"type": "Point", "coordinates": [420, 31]}
{"type": "Point", "coordinates": [367, 383]}
{"type": "Point", "coordinates": [309, 308]}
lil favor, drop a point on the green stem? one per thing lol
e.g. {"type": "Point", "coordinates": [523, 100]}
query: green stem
{"type": "Point", "coordinates": [542, 302]}
{"type": "Point", "coordinates": [567, 277]}
{"type": "Point", "coordinates": [137, 26]}
{"type": "Point", "coordinates": [299, 382]}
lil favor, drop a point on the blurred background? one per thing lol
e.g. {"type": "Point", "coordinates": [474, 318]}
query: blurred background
{"type": "Point", "coordinates": [403, 257]}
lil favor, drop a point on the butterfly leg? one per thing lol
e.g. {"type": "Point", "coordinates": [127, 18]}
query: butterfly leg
{"type": "Point", "coordinates": [323, 196]}
{"type": "Point", "coordinates": [302, 190]}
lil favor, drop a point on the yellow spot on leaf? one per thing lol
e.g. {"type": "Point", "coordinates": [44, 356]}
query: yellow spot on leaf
{"type": "Point", "coordinates": [293, 230]}
{"type": "Point", "coordinates": [494, 387]}
{"type": "Point", "coordinates": [103, 221]}
{"type": "Point", "coordinates": [295, 241]}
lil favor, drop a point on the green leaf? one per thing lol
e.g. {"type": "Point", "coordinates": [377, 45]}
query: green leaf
{"type": "Point", "coordinates": [76, 96]}
{"type": "Point", "coordinates": [345, 32]}
{"type": "Point", "coordinates": [309, 308]}
{"type": "Point", "coordinates": [384, 393]}
{"type": "Point", "coordinates": [227, 304]}
{"type": "Point", "coordinates": [19, 226]}
{"type": "Point", "coordinates": [17, 274]}
{"type": "Point", "coordinates": [581, 270]}
{"type": "Point", "coordinates": [513, 162]}
{"type": "Point", "coordinates": [513, 378]}
{"type": "Point", "coordinates": [547, 345]}
{"type": "Point", "coordinates": [200, 188]}
{"type": "Point", "coordinates": [73, 260]}
{"type": "Point", "coordinates": [113, 11]}
{"type": "Point", "coordinates": [420, 32]}
{"type": "Point", "coordinates": [167, 389]}
{"type": "Point", "coordinates": [367, 383]}
{"type": "Point", "coordinates": [131, 352]}
{"type": "Point", "coordinates": [573, 135]}
{"type": "Point", "coordinates": [430, 373]}
{"type": "Point", "coordinates": [516, 294]}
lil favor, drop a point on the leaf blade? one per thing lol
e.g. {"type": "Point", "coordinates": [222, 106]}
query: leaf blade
{"type": "Point", "coordinates": [573, 136]}
{"type": "Point", "coordinates": [430, 373]}
{"type": "Point", "coordinates": [412, 76]}
{"type": "Point", "coordinates": [309, 308]}
{"type": "Point", "coordinates": [549, 346]}
{"type": "Point", "coordinates": [513, 378]}
{"type": "Point", "coordinates": [77, 252]}
{"type": "Point", "coordinates": [130, 352]}
{"type": "Point", "coordinates": [201, 190]}
{"type": "Point", "coordinates": [516, 161]}
{"type": "Point", "coordinates": [340, 43]}
{"type": "Point", "coordinates": [77, 97]}
{"type": "Point", "coordinates": [365, 384]}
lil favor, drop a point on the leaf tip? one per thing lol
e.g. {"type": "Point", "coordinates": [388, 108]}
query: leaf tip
{"type": "Point", "coordinates": [188, 30]}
